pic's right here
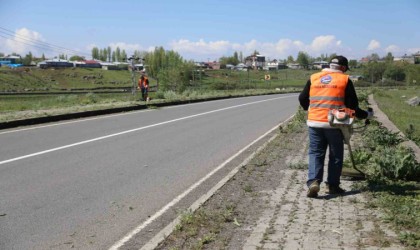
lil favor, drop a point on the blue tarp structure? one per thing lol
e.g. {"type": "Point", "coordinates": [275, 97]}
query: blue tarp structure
{"type": "Point", "coordinates": [15, 65]}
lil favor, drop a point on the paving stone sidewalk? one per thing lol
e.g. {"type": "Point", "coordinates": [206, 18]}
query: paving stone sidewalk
{"type": "Point", "coordinates": [294, 221]}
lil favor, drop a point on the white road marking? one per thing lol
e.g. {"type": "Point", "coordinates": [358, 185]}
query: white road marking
{"type": "Point", "coordinates": [133, 130]}
{"type": "Point", "coordinates": [100, 117]}
{"type": "Point", "coordinates": [154, 242]}
{"type": "Point", "coordinates": [70, 122]}
{"type": "Point", "coordinates": [126, 238]}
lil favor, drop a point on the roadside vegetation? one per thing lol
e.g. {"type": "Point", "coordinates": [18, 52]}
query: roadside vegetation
{"type": "Point", "coordinates": [406, 117]}
{"type": "Point", "coordinates": [392, 172]}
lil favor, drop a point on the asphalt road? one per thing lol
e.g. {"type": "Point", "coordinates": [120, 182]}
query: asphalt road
{"type": "Point", "coordinates": [86, 184]}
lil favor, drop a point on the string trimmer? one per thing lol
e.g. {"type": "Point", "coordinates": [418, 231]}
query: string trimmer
{"type": "Point", "coordinates": [343, 119]}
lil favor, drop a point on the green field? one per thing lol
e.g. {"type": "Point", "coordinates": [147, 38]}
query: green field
{"type": "Point", "coordinates": [393, 103]}
{"type": "Point", "coordinates": [51, 80]}
{"type": "Point", "coordinates": [30, 79]}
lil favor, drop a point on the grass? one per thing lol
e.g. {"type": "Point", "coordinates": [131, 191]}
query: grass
{"type": "Point", "coordinates": [205, 223]}
{"type": "Point", "coordinates": [254, 79]}
{"type": "Point", "coordinates": [35, 79]}
{"type": "Point", "coordinates": [393, 181]}
{"type": "Point", "coordinates": [400, 204]}
{"type": "Point", "coordinates": [405, 117]}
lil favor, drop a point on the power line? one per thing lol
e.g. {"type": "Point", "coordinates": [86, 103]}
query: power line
{"type": "Point", "coordinates": [8, 34]}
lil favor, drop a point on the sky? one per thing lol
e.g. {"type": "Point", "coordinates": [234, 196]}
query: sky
{"type": "Point", "coordinates": [206, 30]}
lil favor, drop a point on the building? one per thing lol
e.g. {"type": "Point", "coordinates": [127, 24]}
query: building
{"type": "Point", "coordinates": [255, 61]}
{"type": "Point", "coordinates": [9, 60]}
{"type": "Point", "coordinates": [405, 58]}
{"type": "Point", "coordinates": [55, 63]}
{"type": "Point", "coordinates": [355, 78]}
{"type": "Point", "coordinates": [241, 67]}
{"type": "Point", "coordinates": [320, 65]}
{"type": "Point", "coordinates": [294, 66]}
{"type": "Point", "coordinates": [272, 65]}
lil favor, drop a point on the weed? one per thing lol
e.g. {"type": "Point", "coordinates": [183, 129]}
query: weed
{"type": "Point", "coordinates": [248, 188]}
{"type": "Point", "coordinates": [410, 239]}
{"type": "Point", "coordinates": [395, 163]}
{"type": "Point", "coordinates": [207, 239]}
{"type": "Point", "coordinates": [296, 123]}
{"type": "Point", "coordinates": [298, 165]}
{"type": "Point", "coordinates": [378, 135]}
{"type": "Point", "coordinates": [411, 134]}
{"type": "Point", "coordinates": [400, 203]}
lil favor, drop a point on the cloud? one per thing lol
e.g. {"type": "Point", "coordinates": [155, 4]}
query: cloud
{"type": "Point", "coordinates": [413, 51]}
{"type": "Point", "coordinates": [281, 49]}
{"type": "Point", "coordinates": [394, 49]}
{"type": "Point", "coordinates": [129, 48]}
{"type": "Point", "coordinates": [23, 41]}
{"type": "Point", "coordinates": [325, 44]}
{"type": "Point", "coordinates": [200, 47]}
{"type": "Point", "coordinates": [373, 45]}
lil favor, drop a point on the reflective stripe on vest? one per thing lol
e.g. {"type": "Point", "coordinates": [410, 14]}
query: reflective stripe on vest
{"type": "Point", "coordinates": [327, 92]}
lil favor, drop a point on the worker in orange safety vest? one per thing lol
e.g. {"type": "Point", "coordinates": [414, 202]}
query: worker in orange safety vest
{"type": "Point", "coordinates": [324, 91]}
{"type": "Point", "coordinates": [143, 85]}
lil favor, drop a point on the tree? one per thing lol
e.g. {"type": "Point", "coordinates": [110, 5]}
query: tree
{"type": "Point", "coordinates": [290, 59]}
{"type": "Point", "coordinates": [109, 53]}
{"type": "Point", "coordinates": [389, 57]}
{"type": "Point", "coordinates": [236, 56]}
{"type": "Point", "coordinates": [77, 58]}
{"type": "Point", "coordinates": [323, 57]}
{"type": "Point", "coordinates": [139, 54]}
{"type": "Point", "coordinates": [374, 71]}
{"type": "Point", "coordinates": [303, 59]}
{"type": "Point", "coordinates": [113, 57]}
{"type": "Point", "coordinates": [412, 72]}
{"type": "Point", "coordinates": [104, 54]}
{"type": "Point", "coordinates": [374, 57]}
{"type": "Point", "coordinates": [170, 69]}
{"type": "Point", "coordinates": [118, 54]}
{"type": "Point", "coordinates": [353, 64]}
{"type": "Point", "coordinates": [43, 57]}
{"type": "Point", "coordinates": [95, 53]}
{"type": "Point", "coordinates": [27, 59]}
{"type": "Point", "coordinates": [395, 71]}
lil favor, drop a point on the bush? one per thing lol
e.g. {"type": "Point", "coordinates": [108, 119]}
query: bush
{"type": "Point", "coordinates": [170, 95]}
{"type": "Point", "coordinates": [396, 163]}
{"type": "Point", "coordinates": [379, 135]}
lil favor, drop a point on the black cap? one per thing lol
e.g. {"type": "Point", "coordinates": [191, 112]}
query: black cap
{"type": "Point", "coordinates": [340, 60]}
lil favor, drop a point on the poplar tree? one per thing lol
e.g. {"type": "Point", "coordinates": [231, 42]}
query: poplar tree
{"type": "Point", "coordinates": [95, 53]}
{"type": "Point", "coordinates": [109, 53]}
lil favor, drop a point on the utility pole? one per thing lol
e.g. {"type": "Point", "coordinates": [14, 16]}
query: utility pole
{"type": "Point", "coordinates": [132, 60]}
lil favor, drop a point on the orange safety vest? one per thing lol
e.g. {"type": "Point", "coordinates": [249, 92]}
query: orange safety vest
{"type": "Point", "coordinates": [143, 83]}
{"type": "Point", "coordinates": [327, 92]}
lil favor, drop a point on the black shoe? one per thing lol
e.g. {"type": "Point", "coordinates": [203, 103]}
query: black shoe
{"type": "Point", "coordinates": [335, 190]}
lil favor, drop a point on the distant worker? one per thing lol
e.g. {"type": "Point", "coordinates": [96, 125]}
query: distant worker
{"type": "Point", "coordinates": [144, 86]}
{"type": "Point", "coordinates": [324, 91]}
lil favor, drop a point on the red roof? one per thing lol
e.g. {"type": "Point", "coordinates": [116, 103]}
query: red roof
{"type": "Point", "coordinates": [91, 62]}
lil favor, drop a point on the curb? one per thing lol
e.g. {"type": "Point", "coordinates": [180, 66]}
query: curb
{"type": "Point", "coordinates": [383, 118]}
{"type": "Point", "coordinates": [62, 117]}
